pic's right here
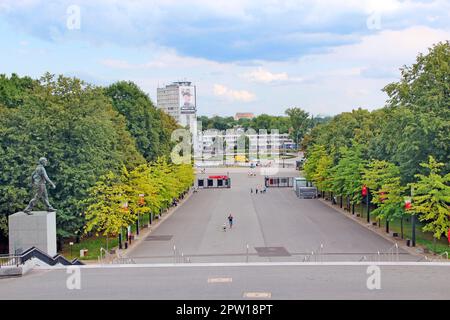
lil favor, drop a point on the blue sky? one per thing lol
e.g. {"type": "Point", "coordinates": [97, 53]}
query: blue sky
{"type": "Point", "coordinates": [261, 56]}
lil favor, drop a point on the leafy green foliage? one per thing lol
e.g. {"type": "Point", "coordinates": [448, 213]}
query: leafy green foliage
{"type": "Point", "coordinates": [347, 173]}
{"type": "Point", "coordinates": [82, 134]}
{"type": "Point", "coordinates": [107, 211]}
{"type": "Point", "coordinates": [383, 180]}
{"type": "Point", "coordinates": [75, 127]}
{"type": "Point", "coordinates": [300, 123]}
{"type": "Point", "coordinates": [160, 183]}
{"type": "Point", "coordinates": [396, 142]}
{"type": "Point", "coordinates": [420, 108]}
{"type": "Point", "coordinates": [13, 90]}
{"type": "Point", "coordinates": [431, 198]}
{"type": "Point", "coordinates": [150, 128]}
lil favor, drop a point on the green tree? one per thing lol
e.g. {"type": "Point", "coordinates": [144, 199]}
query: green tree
{"type": "Point", "coordinates": [14, 89]}
{"type": "Point", "coordinates": [347, 174]}
{"type": "Point", "coordinates": [315, 153]}
{"type": "Point", "coordinates": [377, 173]}
{"type": "Point", "coordinates": [300, 122]}
{"type": "Point", "coordinates": [323, 176]}
{"type": "Point", "coordinates": [72, 124]}
{"type": "Point", "coordinates": [151, 128]}
{"type": "Point", "coordinates": [431, 198]}
{"type": "Point", "coordinates": [107, 212]}
{"type": "Point", "coordinates": [420, 111]}
{"type": "Point", "coordinates": [383, 178]}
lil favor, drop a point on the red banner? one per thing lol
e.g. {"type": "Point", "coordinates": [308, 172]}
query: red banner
{"type": "Point", "coordinates": [364, 191]}
{"type": "Point", "coordinates": [218, 177]}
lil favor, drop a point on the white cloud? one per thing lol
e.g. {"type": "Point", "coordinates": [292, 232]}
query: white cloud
{"type": "Point", "coordinates": [117, 64]}
{"type": "Point", "coordinates": [264, 76]}
{"type": "Point", "coordinates": [391, 45]}
{"type": "Point", "coordinates": [233, 95]}
{"type": "Point", "coordinates": [164, 58]}
{"type": "Point", "coordinates": [231, 30]}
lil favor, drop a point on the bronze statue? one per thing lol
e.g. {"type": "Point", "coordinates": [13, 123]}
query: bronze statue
{"type": "Point", "coordinates": [39, 180]}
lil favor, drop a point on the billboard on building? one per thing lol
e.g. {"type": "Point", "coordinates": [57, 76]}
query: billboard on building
{"type": "Point", "coordinates": [187, 100]}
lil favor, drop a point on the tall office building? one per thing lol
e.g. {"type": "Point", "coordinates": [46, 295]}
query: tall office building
{"type": "Point", "coordinates": [178, 99]}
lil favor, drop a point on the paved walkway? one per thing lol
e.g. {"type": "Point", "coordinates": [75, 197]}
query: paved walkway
{"type": "Point", "coordinates": [233, 282]}
{"type": "Point", "coordinates": [274, 219]}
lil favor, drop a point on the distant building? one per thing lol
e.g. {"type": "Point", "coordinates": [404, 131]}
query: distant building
{"type": "Point", "coordinates": [215, 141]}
{"type": "Point", "coordinates": [179, 100]}
{"type": "Point", "coordinates": [244, 115]}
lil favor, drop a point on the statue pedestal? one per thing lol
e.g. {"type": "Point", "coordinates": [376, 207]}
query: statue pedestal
{"type": "Point", "coordinates": [36, 230]}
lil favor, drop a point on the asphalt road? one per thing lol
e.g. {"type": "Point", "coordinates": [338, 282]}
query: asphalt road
{"type": "Point", "coordinates": [233, 282]}
{"type": "Point", "coordinates": [274, 219]}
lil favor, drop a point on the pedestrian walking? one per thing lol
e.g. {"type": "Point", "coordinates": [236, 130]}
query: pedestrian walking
{"type": "Point", "coordinates": [230, 220]}
{"type": "Point", "coordinates": [251, 190]}
{"type": "Point", "coordinates": [256, 190]}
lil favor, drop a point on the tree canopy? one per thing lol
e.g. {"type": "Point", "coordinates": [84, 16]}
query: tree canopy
{"type": "Point", "coordinates": [404, 143]}
{"type": "Point", "coordinates": [85, 131]}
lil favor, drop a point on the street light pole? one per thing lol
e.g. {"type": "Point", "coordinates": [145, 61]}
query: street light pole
{"type": "Point", "coordinates": [368, 207]}
{"type": "Point", "coordinates": [413, 218]}
{"type": "Point", "coordinates": [71, 245]}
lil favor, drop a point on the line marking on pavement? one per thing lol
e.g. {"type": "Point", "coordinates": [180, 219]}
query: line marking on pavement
{"type": "Point", "coordinates": [251, 264]}
{"type": "Point", "coordinates": [260, 295]}
{"type": "Point", "coordinates": [220, 280]}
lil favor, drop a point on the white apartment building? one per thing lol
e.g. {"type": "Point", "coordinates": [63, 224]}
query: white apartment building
{"type": "Point", "coordinates": [217, 144]}
{"type": "Point", "coordinates": [178, 99]}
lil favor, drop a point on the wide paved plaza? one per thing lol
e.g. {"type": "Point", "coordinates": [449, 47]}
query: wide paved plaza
{"type": "Point", "coordinates": [276, 226]}
{"type": "Point", "coordinates": [280, 230]}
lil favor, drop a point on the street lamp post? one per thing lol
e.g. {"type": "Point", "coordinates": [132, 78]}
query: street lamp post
{"type": "Point", "coordinates": [365, 192]}
{"type": "Point", "coordinates": [413, 218]}
{"type": "Point", "coordinates": [137, 226]}
{"type": "Point", "coordinates": [368, 207]}
{"type": "Point", "coordinates": [71, 245]}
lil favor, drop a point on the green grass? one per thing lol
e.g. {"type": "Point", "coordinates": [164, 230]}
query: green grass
{"type": "Point", "coordinates": [92, 244]}
{"type": "Point", "coordinates": [425, 239]}
{"type": "Point", "coordinates": [422, 238]}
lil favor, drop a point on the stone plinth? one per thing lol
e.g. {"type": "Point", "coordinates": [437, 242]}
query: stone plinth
{"type": "Point", "coordinates": [36, 230]}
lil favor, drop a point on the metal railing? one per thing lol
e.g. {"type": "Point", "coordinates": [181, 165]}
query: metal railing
{"type": "Point", "coordinates": [103, 255]}
{"type": "Point", "coordinates": [440, 257]}
{"type": "Point", "coordinates": [392, 254]}
{"type": "Point", "coordinates": [33, 252]}
{"type": "Point", "coordinates": [123, 260]}
{"type": "Point", "coordinates": [315, 256]}
{"type": "Point", "coordinates": [10, 260]}
{"type": "Point", "coordinates": [179, 257]}
{"type": "Point", "coordinates": [116, 258]}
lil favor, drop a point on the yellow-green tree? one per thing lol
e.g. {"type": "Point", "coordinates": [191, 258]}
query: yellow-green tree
{"type": "Point", "coordinates": [431, 198]}
{"type": "Point", "coordinates": [390, 197]}
{"type": "Point", "coordinates": [347, 173]}
{"type": "Point", "coordinates": [323, 176]}
{"type": "Point", "coordinates": [315, 153]}
{"type": "Point", "coordinates": [384, 182]}
{"type": "Point", "coordinates": [107, 212]}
